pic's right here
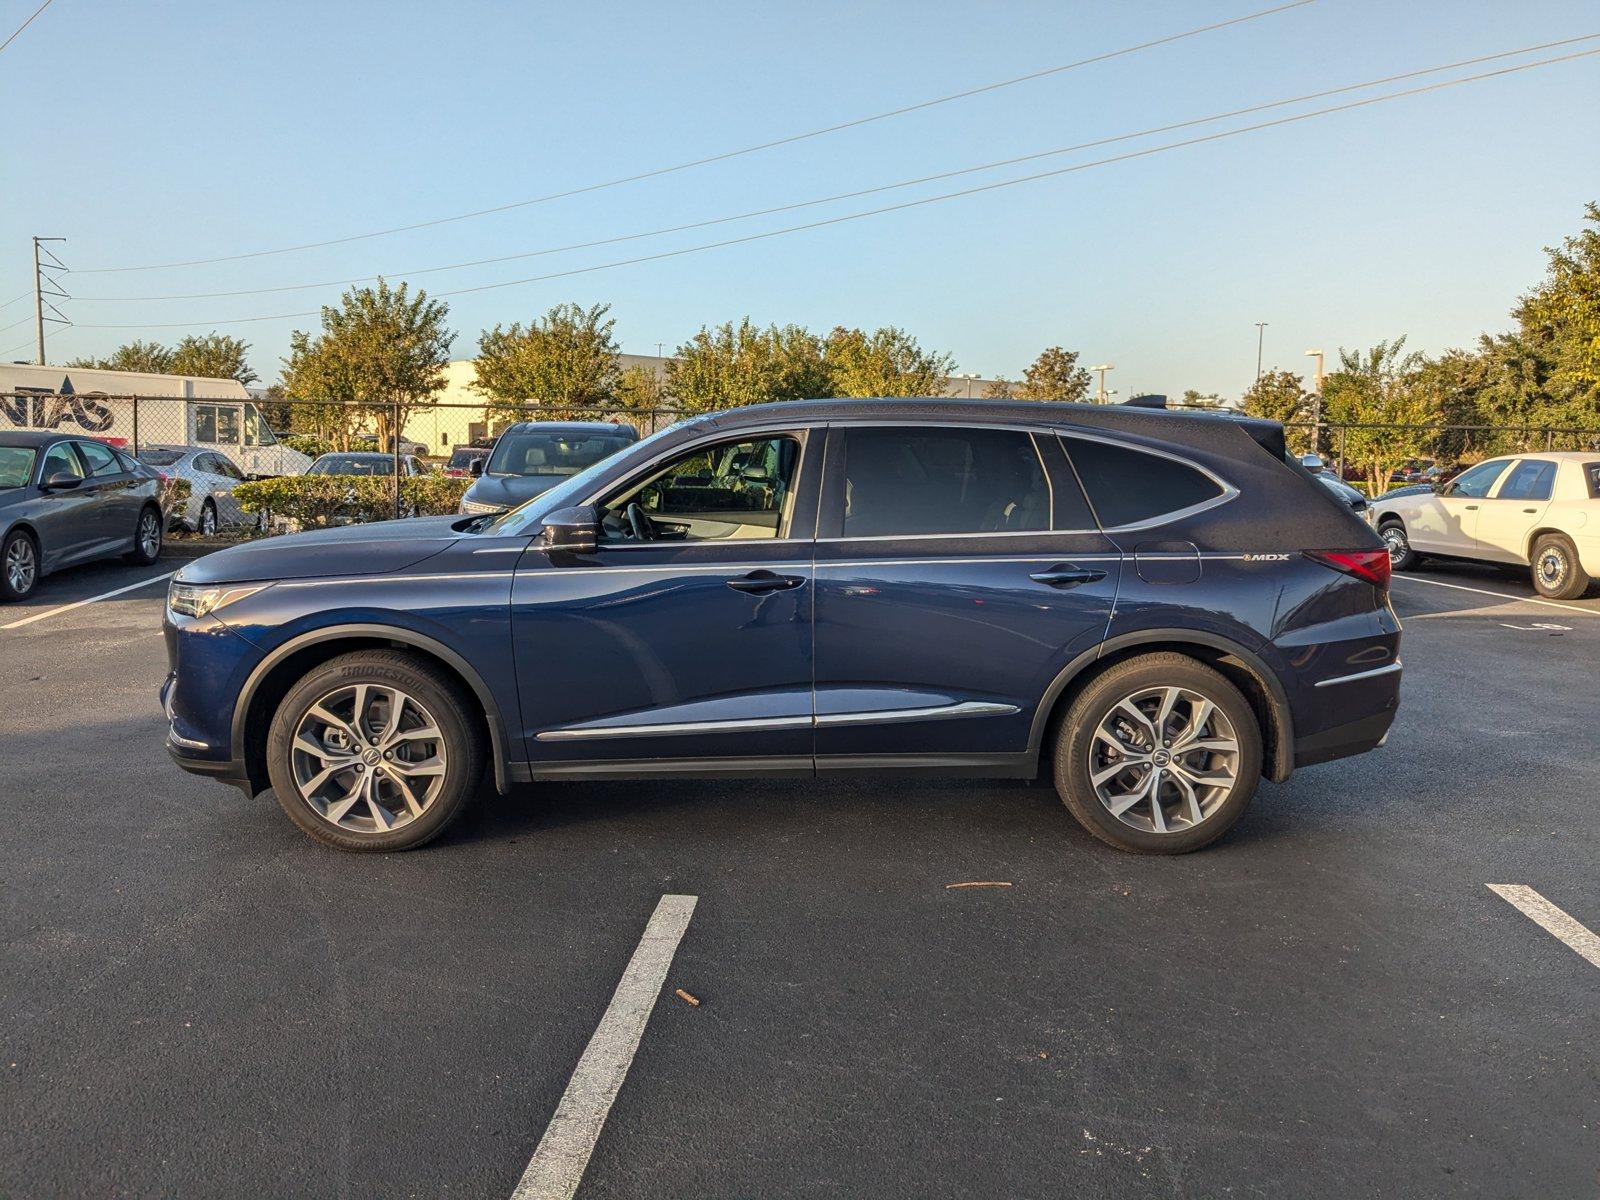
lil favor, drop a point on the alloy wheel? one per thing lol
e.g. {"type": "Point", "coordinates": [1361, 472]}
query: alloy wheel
{"type": "Point", "coordinates": [208, 520]}
{"type": "Point", "coordinates": [368, 758]}
{"type": "Point", "coordinates": [1164, 759]}
{"type": "Point", "coordinates": [1552, 568]}
{"type": "Point", "coordinates": [149, 534]}
{"type": "Point", "coordinates": [21, 565]}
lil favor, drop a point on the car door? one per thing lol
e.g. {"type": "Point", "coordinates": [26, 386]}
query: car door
{"type": "Point", "coordinates": [116, 501]}
{"type": "Point", "coordinates": [1513, 509]}
{"type": "Point", "coordinates": [1447, 523]}
{"type": "Point", "coordinates": [686, 635]}
{"type": "Point", "coordinates": [68, 532]}
{"type": "Point", "coordinates": [227, 475]}
{"type": "Point", "coordinates": [958, 570]}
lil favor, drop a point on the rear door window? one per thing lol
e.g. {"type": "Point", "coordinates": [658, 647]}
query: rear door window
{"type": "Point", "coordinates": [1529, 480]}
{"type": "Point", "coordinates": [1135, 487]}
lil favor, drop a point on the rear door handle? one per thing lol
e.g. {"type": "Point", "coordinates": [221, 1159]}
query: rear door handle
{"type": "Point", "coordinates": [1472, 508]}
{"type": "Point", "coordinates": [761, 582]}
{"type": "Point", "coordinates": [1066, 576]}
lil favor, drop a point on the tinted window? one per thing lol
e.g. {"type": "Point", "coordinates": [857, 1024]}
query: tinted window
{"type": "Point", "coordinates": [100, 459]}
{"type": "Point", "coordinates": [553, 451]}
{"type": "Point", "coordinates": [353, 464]}
{"type": "Point", "coordinates": [1591, 476]}
{"type": "Point", "coordinates": [223, 465]}
{"type": "Point", "coordinates": [930, 480]}
{"type": "Point", "coordinates": [1531, 480]}
{"type": "Point", "coordinates": [734, 490]}
{"type": "Point", "coordinates": [61, 458]}
{"type": "Point", "coordinates": [1475, 483]}
{"type": "Point", "coordinates": [159, 458]}
{"type": "Point", "coordinates": [1128, 486]}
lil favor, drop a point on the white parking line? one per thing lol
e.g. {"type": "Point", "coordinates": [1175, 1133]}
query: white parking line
{"type": "Point", "coordinates": [1499, 595]}
{"type": "Point", "coordinates": [51, 612]}
{"type": "Point", "coordinates": [1549, 918]}
{"type": "Point", "coordinates": [558, 1164]}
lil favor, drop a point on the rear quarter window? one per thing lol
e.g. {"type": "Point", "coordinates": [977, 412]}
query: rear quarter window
{"type": "Point", "coordinates": [1591, 476]}
{"type": "Point", "coordinates": [1130, 487]}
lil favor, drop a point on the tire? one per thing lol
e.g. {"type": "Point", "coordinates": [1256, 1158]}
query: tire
{"type": "Point", "coordinates": [1557, 573]}
{"type": "Point", "coordinates": [1227, 777]}
{"type": "Point", "coordinates": [335, 804]}
{"type": "Point", "coordinates": [207, 525]}
{"type": "Point", "coordinates": [19, 565]}
{"type": "Point", "coordinates": [147, 536]}
{"type": "Point", "coordinates": [1401, 556]}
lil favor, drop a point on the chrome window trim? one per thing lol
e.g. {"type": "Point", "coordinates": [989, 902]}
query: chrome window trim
{"type": "Point", "coordinates": [1229, 492]}
{"type": "Point", "coordinates": [1387, 669]}
{"type": "Point", "coordinates": [888, 716]}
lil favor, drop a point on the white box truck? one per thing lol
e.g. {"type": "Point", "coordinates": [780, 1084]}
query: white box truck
{"type": "Point", "coordinates": [171, 410]}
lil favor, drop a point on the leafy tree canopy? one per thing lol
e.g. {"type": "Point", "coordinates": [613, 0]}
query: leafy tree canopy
{"type": "Point", "coordinates": [887, 362]}
{"type": "Point", "coordinates": [1055, 375]}
{"type": "Point", "coordinates": [210, 356]}
{"type": "Point", "coordinates": [566, 361]}
{"type": "Point", "coordinates": [731, 365]}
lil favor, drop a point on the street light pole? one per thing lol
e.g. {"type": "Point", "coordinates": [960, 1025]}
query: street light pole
{"type": "Point", "coordinates": [1316, 409]}
{"type": "Point", "coordinates": [1101, 396]}
{"type": "Point", "coordinates": [1261, 339]}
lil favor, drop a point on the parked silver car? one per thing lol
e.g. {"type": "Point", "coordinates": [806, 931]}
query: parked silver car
{"type": "Point", "coordinates": [212, 476]}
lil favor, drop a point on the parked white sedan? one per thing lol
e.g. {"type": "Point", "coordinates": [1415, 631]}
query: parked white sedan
{"type": "Point", "coordinates": [212, 477]}
{"type": "Point", "coordinates": [1537, 510]}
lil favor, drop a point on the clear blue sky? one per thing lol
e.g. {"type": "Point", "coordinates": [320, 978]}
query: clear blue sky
{"type": "Point", "coordinates": [146, 132]}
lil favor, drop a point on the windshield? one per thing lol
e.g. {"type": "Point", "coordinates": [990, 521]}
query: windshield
{"type": "Point", "coordinates": [465, 454]}
{"type": "Point", "coordinates": [16, 466]}
{"type": "Point", "coordinates": [353, 464]}
{"type": "Point", "coordinates": [566, 493]}
{"type": "Point", "coordinates": [553, 451]}
{"type": "Point", "coordinates": [159, 458]}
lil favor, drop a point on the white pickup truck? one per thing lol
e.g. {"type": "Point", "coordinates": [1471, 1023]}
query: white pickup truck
{"type": "Point", "coordinates": [131, 409]}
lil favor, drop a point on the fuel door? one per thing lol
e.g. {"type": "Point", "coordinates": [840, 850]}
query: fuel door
{"type": "Point", "coordinates": [1167, 562]}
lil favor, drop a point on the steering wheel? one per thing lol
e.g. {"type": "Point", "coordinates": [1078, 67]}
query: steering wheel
{"type": "Point", "coordinates": [643, 528]}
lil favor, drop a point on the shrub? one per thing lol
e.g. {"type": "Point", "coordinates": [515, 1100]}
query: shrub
{"type": "Point", "coordinates": [308, 444]}
{"type": "Point", "coordinates": [318, 501]}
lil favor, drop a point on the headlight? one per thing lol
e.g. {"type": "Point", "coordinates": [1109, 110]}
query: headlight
{"type": "Point", "coordinates": [473, 508]}
{"type": "Point", "coordinates": [196, 600]}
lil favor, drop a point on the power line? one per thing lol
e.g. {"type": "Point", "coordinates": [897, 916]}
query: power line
{"type": "Point", "coordinates": [908, 204]}
{"type": "Point", "coordinates": [716, 158]}
{"type": "Point", "coordinates": [25, 24]}
{"type": "Point", "coordinates": [14, 299]}
{"type": "Point", "coordinates": [852, 195]}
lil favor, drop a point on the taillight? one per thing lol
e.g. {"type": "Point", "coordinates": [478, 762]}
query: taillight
{"type": "Point", "coordinates": [1371, 565]}
{"type": "Point", "coordinates": [163, 477]}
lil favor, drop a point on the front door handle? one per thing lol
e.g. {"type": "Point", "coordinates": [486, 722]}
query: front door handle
{"type": "Point", "coordinates": [1472, 508]}
{"type": "Point", "coordinates": [761, 582]}
{"type": "Point", "coordinates": [1066, 576]}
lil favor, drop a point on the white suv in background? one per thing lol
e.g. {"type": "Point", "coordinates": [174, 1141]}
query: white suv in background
{"type": "Point", "coordinates": [1536, 510]}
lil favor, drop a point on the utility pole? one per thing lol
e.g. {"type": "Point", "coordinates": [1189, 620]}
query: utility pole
{"type": "Point", "coordinates": [1101, 395]}
{"type": "Point", "coordinates": [40, 291]}
{"type": "Point", "coordinates": [969, 378]}
{"type": "Point", "coordinates": [1261, 340]}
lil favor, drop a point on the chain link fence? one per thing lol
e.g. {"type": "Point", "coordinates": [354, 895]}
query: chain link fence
{"type": "Point", "coordinates": [222, 446]}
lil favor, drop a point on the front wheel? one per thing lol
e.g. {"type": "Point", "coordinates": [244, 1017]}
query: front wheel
{"type": "Point", "coordinates": [1159, 755]}
{"type": "Point", "coordinates": [373, 751]}
{"type": "Point", "coordinates": [1401, 556]}
{"type": "Point", "coordinates": [146, 539]}
{"type": "Point", "coordinates": [1557, 573]}
{"type": "Point", "coordinates": [19, 566]}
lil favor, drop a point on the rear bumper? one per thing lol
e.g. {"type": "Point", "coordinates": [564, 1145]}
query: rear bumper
{"type": "Point", "coordinates": [1369, 700]}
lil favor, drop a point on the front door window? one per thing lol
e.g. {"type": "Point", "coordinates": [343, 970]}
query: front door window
{"type": "Point", "coordinates": [731, 491]}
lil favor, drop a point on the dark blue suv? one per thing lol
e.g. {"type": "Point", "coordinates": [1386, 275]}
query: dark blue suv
{"type": "Point", "coordinates": [1156, 608]}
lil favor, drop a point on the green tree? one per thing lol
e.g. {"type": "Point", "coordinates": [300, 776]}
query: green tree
{"type": "Point", "coordinates": [999, 389]}
{"type": "Point", "coordinates": [886, 362]}
{"type": "Point", "coordinates": [732, 365]}
{"type": "Point", "coordinates": [562, 363]}
{"type": "Point", "coordinates": [1205, 400]}
{"type": "Point", "coordinates": [150, 357]}
{"type": "Point", "coordinates": [1559, 328]}
{"type": "Point", "coordinates": [213, 356]}
{"type": "Point", "coordinates": [641, 388]}
{"type": "Point", "coordinates": [1055, 375]}
{"type": "Point", "coordinates": [382, 351]}
{"type": "Point", "coordinates": [1380, 389]}
{"type": "Point", "coordinates": [1282, 396]}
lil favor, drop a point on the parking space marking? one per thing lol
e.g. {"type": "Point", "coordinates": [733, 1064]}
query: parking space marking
{"type": "Point", "coordinates": [1499, 595]}
{"type": "Point", "coordinates": [51, 612]}
{"type": "Point", "coordinates": [1550, 918]}
{"type": "Point", "coordinates": [558, 1164]}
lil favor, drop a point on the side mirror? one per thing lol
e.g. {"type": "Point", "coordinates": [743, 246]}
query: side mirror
{"type": "Point", "coordinates": [61, 481]}
{"type": "Point", "coordinates": [475, 468]}
{"type": "Point", "coordinates": [572, 530]}
{"type": "Point", "coordinates": [1312, 463]}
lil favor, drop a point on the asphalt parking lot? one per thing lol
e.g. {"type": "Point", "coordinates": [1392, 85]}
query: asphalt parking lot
{"type": "Point", "coordinates": [198, 1001]}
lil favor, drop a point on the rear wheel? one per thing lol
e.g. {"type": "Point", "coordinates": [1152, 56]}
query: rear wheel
{"type": "Point", "coordinates": [207, 525]}
{"type": "Point", "coordinates": [1401, 556]}
{"type": "Point", "coordinates": [1159, 755]}
{"type": "Point", "coordinates": [146, 539]}
{"type": "Point", "coordinates": [372, 751]}
{"type": "Point", "coordinates": [19, 565]}
{"type": "Point", "coordinates": [1557, 573]}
